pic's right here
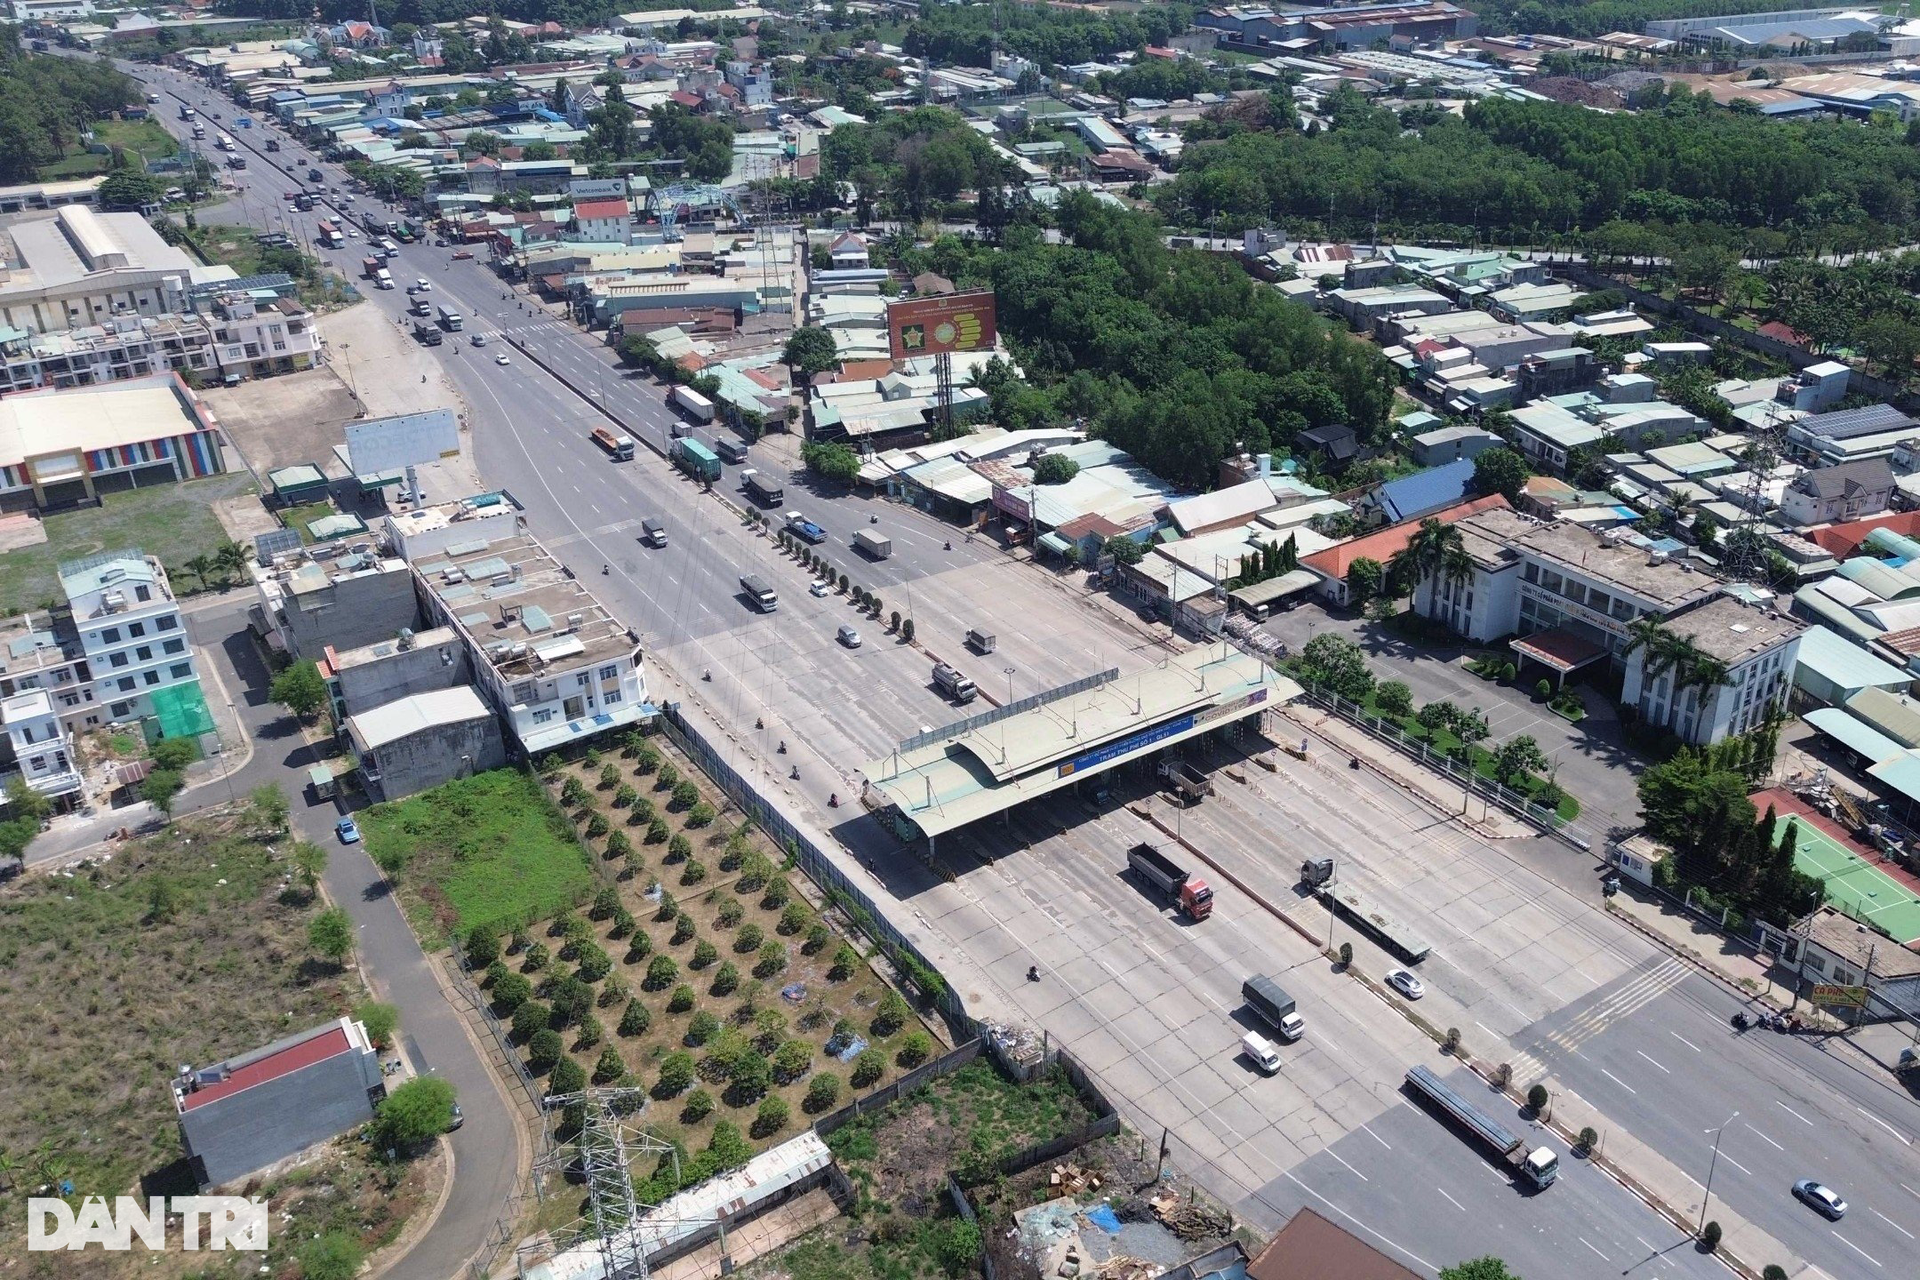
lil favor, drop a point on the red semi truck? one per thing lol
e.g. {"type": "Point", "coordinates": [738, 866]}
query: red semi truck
{"type": "Point", "coordinates": [1188, 892]}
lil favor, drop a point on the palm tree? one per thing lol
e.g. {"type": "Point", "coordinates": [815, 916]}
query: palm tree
{"type": "Point", "coordinates": [232, 557]}
{"type": "Point", "coordinates": [1435, 551]}
{"type": "Point", "coordinates": [200, 566]}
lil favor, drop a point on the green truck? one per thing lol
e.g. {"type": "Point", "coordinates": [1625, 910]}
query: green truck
{"type": "Point", "coordinates": [696, 459]}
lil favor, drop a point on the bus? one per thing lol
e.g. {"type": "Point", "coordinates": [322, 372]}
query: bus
{"type": "Point", "coordinates": [449, 318]}
{"type": "Point", "coordinates": [329, 234]}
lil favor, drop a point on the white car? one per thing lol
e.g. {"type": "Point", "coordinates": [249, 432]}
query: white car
{"type": "Point", "coordinates": [1406, 984]}
{"type": "Point", "coordinates": [423, 286]}
{"type": "Point", "coordinates": [501, 358]}
{"type": "Point", "coordinates": [818, 589]}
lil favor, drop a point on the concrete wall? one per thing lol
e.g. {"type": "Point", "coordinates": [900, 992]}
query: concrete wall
{"type": "Point", "coordinates": [422, 669]}
{"type": "Point", "coordinates": [424, 760]}
{"type": "Point", "coordinates": [355, 611]}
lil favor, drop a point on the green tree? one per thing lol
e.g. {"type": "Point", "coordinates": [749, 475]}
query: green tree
{"type": "Point", "coordinates": [1366, 579]}
{"type": "Point", "coordinates": [810, 350]}
{"type": "Point", "coordinates": [129, 189]}
{"type": "Point", "coordinates": [160, 787]}
{"type": "Point", "coordinates": [1394, 698]}
{"type": "Point", "coordinates": [1488, 1268]}
{"type": "Point", "coordinates": [415, 1113]}
{"type": "Point", "coordinates": [309, 864]}
{"type": "Point", "coordinates": [1054, 468]}
{"type": "Point", "coordinates": [1434, 552]}
{"type": "Point", "coordinates": [1124, 550]}
{"type": "Point", "coordinates": [1517, 757]}
{"type": "Point", "coordinates": [1892, 343]}
{"type": "Point", "coordinates": [1500, 470]}
{"type": "Point", "coordinates": [300, 690]}
{"type": "Point", "coordinates": [834, 461]}
{"type": "Point", "coordinates": [331, 934]}
{"type": "Point", "coordinates": [1335, 663]}
{"type": "Point", "coordinates": [381, 1021]}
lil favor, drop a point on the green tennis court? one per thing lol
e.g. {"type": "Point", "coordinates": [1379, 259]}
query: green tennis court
{"type": "Point", "coordinates": [1854, 885]}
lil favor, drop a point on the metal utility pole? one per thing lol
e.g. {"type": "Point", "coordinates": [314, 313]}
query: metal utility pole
{"type": "Point", "coordinates": [1707, 1196]}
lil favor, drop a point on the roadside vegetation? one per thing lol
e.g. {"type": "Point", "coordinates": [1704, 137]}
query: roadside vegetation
{"type": "Point", "coordinates": [189, 946]}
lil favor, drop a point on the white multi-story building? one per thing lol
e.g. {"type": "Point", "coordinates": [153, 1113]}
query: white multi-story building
{"type": "Point", "coordinates": [1569, 598]}
{"type": "Point", "coordinates": [1758, 647]}
{"type": "Point", "coordinates": [241, 338]}
{"type": "Point", "coordinates": [40, 744]}
{"type": "Point", "coordinates": [551, 661]}
{"type": "Point", "coordinates": [138, 657]}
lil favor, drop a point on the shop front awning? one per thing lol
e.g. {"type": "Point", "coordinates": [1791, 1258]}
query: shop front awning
{"type": "Point", "coordinates": [1560, 649]}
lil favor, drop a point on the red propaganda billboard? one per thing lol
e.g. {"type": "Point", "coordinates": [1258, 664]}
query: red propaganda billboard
{"type": "Point", "coordinates": [934, 326]}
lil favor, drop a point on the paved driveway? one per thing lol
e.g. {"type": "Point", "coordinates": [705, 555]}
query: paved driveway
{"type": "Point", "coordinates": [1592, 759]}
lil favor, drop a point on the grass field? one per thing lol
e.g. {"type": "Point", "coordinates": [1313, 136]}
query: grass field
{"type": "Point", "coordinates": [172, 521]}
{"type": "Point", "coordinates": [187, 947]}
{"type": "Point", "coordinates": [142, 137]}
{"type": "Point", "coordinates": [300, 517]}
{"type": "Point", "coordinates": [483, 850]}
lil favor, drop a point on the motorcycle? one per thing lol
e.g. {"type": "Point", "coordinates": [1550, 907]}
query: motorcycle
{"type": "Point", "coordinates": [1741, 1022]}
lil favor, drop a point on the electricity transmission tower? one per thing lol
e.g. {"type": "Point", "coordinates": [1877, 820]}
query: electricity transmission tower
{"type": "Point", "coordinates": [1744, 559]}
{"type": "Point", "coordinates": [608, 1143]}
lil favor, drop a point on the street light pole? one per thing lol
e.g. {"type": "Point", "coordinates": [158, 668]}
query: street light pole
{"type": "Point", "coordinates": [1707, 1196]}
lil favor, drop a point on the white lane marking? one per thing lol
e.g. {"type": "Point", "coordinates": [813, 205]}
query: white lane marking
{"type": "Point", "coordinates": [1884, 1125]}
{"type": "Point", "coordinates": [1727, 1159]}
{"type": "Point", "coordinates": [1489, 1030]}
{"type": "Point", "coordinates": [1790, 1111]}
{"type": "Point", "coordinates": [1617, 1080]}
{"type": "Point", "coordinates": [1450, 1200]}
{"type": "Point", "coordinates": [1350, 1169]}
{"type": "Point", "coordinates": [1909, 1190]}
{"type": "Point", "coordinates": [1589, 1244]}
{"type": "Point", "coordinates": [1890, 1222]}
{"type": "Point", "coordinates": [1856, 1248]}
{"type": "Point", "coordinates": [1652, 1060]}
{"type": "Point", "coordinates": [1377, 1138]}
{"type": "Point", "coordinates": [1356, 1222]}
{"type": "Point", "coordinates": [1683, 1040]}
{"type": "Point", "coordinates": [1764, 1138]}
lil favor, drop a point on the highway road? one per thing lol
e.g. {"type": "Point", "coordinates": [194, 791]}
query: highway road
{"type": "Point", "coordinates": [1150, 1004]}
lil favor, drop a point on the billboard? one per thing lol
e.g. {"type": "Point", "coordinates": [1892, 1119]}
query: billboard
{"type": "Point", "coordinates": [935, 325]}
{"type": "Point", "coordinates": [1833, 993]}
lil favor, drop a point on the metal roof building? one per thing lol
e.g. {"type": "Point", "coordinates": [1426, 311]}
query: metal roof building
{"type": "Point", "coordinates": [943, 779]}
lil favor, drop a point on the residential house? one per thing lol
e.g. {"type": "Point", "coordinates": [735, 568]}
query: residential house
{"type": "Point", "coordinates": [605, 221]}
{"type": "Point", "coordinates": [1333, 445]}
{"type": "Point", "coordinates": [1846, 491]}
{"type": "Point", "coordinates": [848, 252]}
{"type": "Point", "coordinates": [239, 1116]}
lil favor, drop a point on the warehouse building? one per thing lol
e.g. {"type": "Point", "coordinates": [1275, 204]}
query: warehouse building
{"type": "Point", "coordinates": [59, 448]}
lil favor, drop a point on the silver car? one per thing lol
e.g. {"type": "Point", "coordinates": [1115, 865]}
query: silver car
{"type": "Point", "coordinates": [1821, 1198]}
{"type": "Point", "coordinates": [849, 637]}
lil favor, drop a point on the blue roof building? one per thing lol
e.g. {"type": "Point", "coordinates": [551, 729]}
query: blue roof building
{"type": "Point", "coordinates": [1413, 496]}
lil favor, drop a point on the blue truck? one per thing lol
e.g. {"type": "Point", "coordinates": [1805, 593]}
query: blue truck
{"type": "Point", "coordinates": [801, 527]}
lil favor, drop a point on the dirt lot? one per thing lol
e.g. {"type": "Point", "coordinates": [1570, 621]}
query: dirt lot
{"type": "Point", "coordinates": [295, 417]}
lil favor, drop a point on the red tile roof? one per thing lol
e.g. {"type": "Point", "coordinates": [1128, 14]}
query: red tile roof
{"type": "Point", "coordinates": [1842, 540]}
{"type": "Point", "coordinates": [315, 1048]}
{"type": "Point", "coordinates": [1310, 1247]}
{"type": "Point", "coordinates": [613, 208]}
{"type": "Point", "coordinates": [1781, 332]}
{"type": "Point", "coordinates": [1382, 543]}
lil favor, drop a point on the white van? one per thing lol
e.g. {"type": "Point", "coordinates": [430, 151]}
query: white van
{"type": "Point", "coordinates": [1260, 1052]}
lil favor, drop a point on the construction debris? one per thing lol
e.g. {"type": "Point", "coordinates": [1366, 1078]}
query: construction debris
{"type": "Point", "coordinates": [1191, 1221]}
{"type": "Point", "coordinates": [1121, 1267]}
{"type": "Point", "coordinates": [1072, 1180]}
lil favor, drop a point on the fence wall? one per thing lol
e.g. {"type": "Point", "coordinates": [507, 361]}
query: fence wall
{"type": "Point", "coordinates": [1547, 820]}
{"type": "Point", "coordinates": [879, 1099]}
{"type": "Point", "coordinates": [839, 890]}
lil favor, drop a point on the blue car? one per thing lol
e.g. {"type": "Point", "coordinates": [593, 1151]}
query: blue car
{"type": "Point", "coordinates": [347, 830]}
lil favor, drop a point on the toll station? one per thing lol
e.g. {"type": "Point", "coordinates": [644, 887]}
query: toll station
{"type": "Point", "coordinates": [945, 778]}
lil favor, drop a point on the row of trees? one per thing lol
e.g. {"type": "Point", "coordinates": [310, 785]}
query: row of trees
{"type": "Point", "coordinates": [1696, 804]}
{"type": "Point", "coordinates": [966, 35]}
{"type": "Point", "coordinates": [915, 160]}
{"type": "Point", "coordinates": [1521, 170]}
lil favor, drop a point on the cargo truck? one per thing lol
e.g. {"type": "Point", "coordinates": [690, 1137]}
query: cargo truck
{"type": "Point", "coordinates": [873, 544]}
{"type": "Point", "coordinates": [1540, 1166]}
{"type": "Point", "coordinates": [764, 490]}
{"type": "Point", "coordinates": [695, 459]}
{"type": "Point", "coordinates": [1188, 892]}
{"type": "Point", "coordinates": [731, 450]}
{"type": "Point", "coordinates": [1187, 782]}
{"type": "Point", "coordinates": [427, 332]}
{"type": "Point", "coordinates": [618, 449]}
{"type": "Point", "coordinates": [804, 529]}
{"type": "Point", "coordinates": [370, 267]}
{"type": "Point", "coordinates": [952, 683]}
{"type": "Point", "coordinates": [693, 404]}
{"type": "Point", "coordinates": [1270, 1001]}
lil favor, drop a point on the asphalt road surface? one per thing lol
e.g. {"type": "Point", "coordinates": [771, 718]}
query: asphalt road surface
{"type": "Point", "coordinates": [1151, 1004]}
